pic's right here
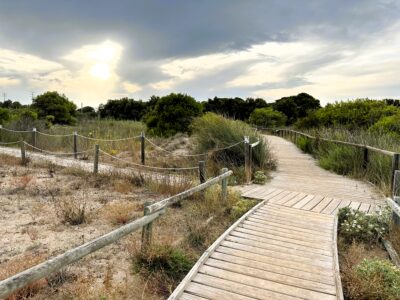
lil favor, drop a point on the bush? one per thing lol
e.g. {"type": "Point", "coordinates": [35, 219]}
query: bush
{"type": "Point", "coordinates": [356, 226]}
{"type": "Point", "coordinates": [164, 265]}
{"type": "Point", "coordinates": [267, 117]}
{"type": "Point", "coordinates": [375, 279]}
{"type": "Point", "coordinates": [344, 160]}
{"type": "Point", "coordinates": [71, 211]}
{"type": "Point", "coordinates": [259, 177]}
{"type": "Point", "coordinates": [212, 131]}
{"type": "Point", "coordinates": [241, 207]}
{"type": "Point", "coordinates": [388, 125]}
{"type": "Point", "coordinates": [305, 144]}
{"type": "Point", "coordinates": [59, 106]}
{"type": "Point", "coordinates": [172, 114]}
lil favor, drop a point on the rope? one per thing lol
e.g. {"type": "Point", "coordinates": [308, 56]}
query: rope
{"type": "Point", "coordinates": [55, 135]}
{"type": "Point", "coordinates": [18, 131]}
{"type": "Point", "coordinates": [108, 140]}
{"type": "Point", "coordinates": [194, 155]}
{"type": "Point", "coordinates": [148, 167]}
{"type": "Point", "coordinates": [57, 153]}
{"type": "Point", "coordinates": [9, 143]}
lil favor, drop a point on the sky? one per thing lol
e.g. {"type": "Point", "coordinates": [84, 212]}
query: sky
{"type": "Point", "coordinates": [94, 50]}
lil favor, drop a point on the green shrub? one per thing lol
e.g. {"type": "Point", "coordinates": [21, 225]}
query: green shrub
{"type": "Point", "coordinates": [375, 279]}
{"type": "Point", "coordinates": [267, 117]}
{"type": "Point", "coordinates": [305, 144]}
{"type": "Point", "coordinates": [360, 227]}
{"type": "Point", "coordinates": [172, 114]}
{"type": "Point", "coordinates": [259, 177]}
{"type": "Point", "coordinates": [241, 207]}
{"type": "Point", "coordinates": [344, 160]}
{"type": "Point", "coordinates": [212, 131]}
{"type": "Point", "coordinates": [164, 265]}
{"type": "Point", "coordinates": [388, 125]}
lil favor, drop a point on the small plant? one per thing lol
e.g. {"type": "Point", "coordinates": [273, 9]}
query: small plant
{"type": "Point", "coordinates": [305, 144]}
{"type": "Point", "coordinates": [163, 265]}
{"type": "Point", "coordinates": [241, 207]}
{"type": "Point", "coordinates": [71, 211]}
{"type": "Point", "coordinates": [120, 213]}
{"type": "Point", "coordinates": [375, 279]}
{"type": "Point", "coordinates": [358, 226]}
{"type": "Point", "coordinates": [259, 177]}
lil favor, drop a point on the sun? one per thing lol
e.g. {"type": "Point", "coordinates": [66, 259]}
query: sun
{"type": "Point", "coordinates": [101, 71]}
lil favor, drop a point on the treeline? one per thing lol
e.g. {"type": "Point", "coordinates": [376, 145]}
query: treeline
{"type": "Point", "coordinates": [173, 113]}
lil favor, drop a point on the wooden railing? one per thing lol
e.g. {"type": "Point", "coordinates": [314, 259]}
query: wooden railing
{"type": "Point", "coordinates": [293, 135]}
{"type": "Point", "coordinates": [151, 213]}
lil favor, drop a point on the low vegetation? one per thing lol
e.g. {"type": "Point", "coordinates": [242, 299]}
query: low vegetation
{"type": "Point", "coordinates": [366, 270]}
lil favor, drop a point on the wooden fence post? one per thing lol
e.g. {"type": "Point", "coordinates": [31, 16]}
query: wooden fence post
{"type": "Point", "coordinates": [224, 185]}
{"type": "Point", "coordinates": [142, 148]}
{"type": "Point", "coordinates": [34, 138]}
{"type": "Point", "coordinates": [202, 171]}
{"type": "Point", "coordinates": [96, 159]}
{"type": "Point", "coordinates": [395, 195]}
{"type": "Point", "coordinates": [75, 145]}
{"type": "Point", "coordinates": [147, 230]}
{"type": "Point", "coordinates": [366, 158]}
{"type": "Point", "coordinates": [23, 152]}
{"type": "Point", "coordinates": [247, 159]}
{"type": "Point", "coordinates": [395, 166]}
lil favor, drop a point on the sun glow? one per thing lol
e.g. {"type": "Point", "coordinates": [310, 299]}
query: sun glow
{"type": "Point", "coordinates": [100, 71]}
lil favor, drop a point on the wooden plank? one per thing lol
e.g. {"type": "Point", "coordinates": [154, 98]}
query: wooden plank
{"type": "Point", "coordinates": [331, 207]}
{"type": "Point", "coordinates": [324, 203]}
{"type": "Point", "coordinates": [319, 274]}
{"type": "Point", "coordinates": [295, 199]}
{"type": "Point", "coordinates": [284, 232]}
{"type": "Point", "coordinates": [239, 288]}
{"type": "Point", "coordinates": [303, 202]}
{"type": "Point", "coordinates": [364, 207]}
{"type": "Point", "coordinates": [289, 238]}
{"type": "Point", "coordinates": [295, 277]}
{"type": "Point", "coordinates": [297, 213]}
{"type": "Point", "coordinates": [287, 198]}
{"type": "Point", "coordinates": [354, 205]}
{"type": "Point", "coordinates": [282, 247]}
{"type": "Point", "coordinates": [314, 202]}
{"type": "Point", "coordinates": [247, 246]}
{"type": "Point", "coordinates": [289, 221]}
{"type": "Point", "coordinates": [209, 292]}
{"type": "Point", "coordinates": [254, 277]}
{"type": "Point", "coordinates": [186, 296]}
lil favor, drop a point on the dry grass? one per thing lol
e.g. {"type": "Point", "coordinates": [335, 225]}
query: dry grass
{"type": "Point", "coordinates": [394, 236]}
{"type": "Point", "coordinates": [122, 212]}
{"type": "Point", "coordinates": [20, 264]}
{"type": "Point", "coordinates": [170, 185]}
{"type": "Point", "coordinates": [71, 210]}
{"type": "Point", "coordinates": [8, 160]}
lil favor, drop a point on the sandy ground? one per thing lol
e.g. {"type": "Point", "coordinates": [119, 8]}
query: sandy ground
{"type": "Point", "coordinates": [30, 224]}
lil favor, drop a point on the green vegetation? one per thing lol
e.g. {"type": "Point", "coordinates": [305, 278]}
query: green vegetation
{"type": "Point", "coordinates": [356, 226]}
{"type": "Point", "coordinates": [259, 177]}
{"type": "Point", "coordinates": [212, 131]}
{"type": "Point", "coordinates": [375, 278]}
{"type": "Point", "coordinates": [56, 105]}
{"type": "Point", "coordinates": [234, 108]}
{"type": "Point", "coordinates": [172, 114]}
{"type": "Point", "coordinates": [267, 117]}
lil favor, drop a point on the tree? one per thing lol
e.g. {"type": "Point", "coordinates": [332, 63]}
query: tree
{"type": "Point", "coordinates": [234, 108]}
{"type": "Point", "coordinates": [59, 106]}
{"type": "Point", "coordinates": [123, 109]}
{"type": "Point", "coordinates": [267, 117]}
{"type": "Point", "coordinates": [295, 107]}
{"type": "Point", "coordinates": [4, 115]}
{"type": "Point", "coordinates": [172, 114]}
{"type": "Point", "coordinates": [87, 112]}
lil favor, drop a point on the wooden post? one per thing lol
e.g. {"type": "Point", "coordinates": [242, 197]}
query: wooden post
{"type": "Point", "coordinates": [147, 230]}
{"type": "Point", "coordinates": [202, 171]}
{"type": "Point", "coordinates": [23, 152]}
{"type": "Point", "coordinates": [75, 145]}
{"type": "Point", "coordinates": [250, 161]}
{"type": "Point", "coordinates": [224, 185]}
{"type": "Point", "coordinates": [247, 159]}
{"type": "Point", "coordinates": [366, 158]}
{"type": "Point", "coordinates": [142, 148]}
{"type": "Point", "coordinates": [34, 138]}
{"type": "Point", "coordinates": [395, 166]}
{"type": "Point", "coordinates": [395, 195]}
{"type": "Point", "coordinates": [96, 159]}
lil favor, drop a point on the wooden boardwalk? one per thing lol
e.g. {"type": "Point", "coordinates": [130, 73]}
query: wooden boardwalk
{"type": "Point", "coordinates": [285, 247]}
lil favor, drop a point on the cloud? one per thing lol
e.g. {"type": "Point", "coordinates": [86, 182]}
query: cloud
{"type": "Point", "coordinates": [131, 87]}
